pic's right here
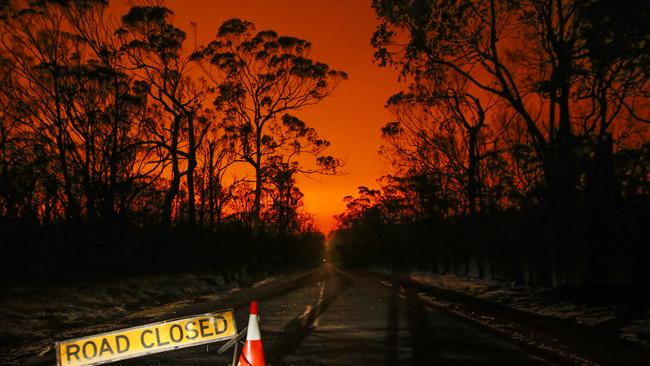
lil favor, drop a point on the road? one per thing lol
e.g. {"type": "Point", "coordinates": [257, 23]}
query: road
{"type": "Point", "coordinates": [341, 318]}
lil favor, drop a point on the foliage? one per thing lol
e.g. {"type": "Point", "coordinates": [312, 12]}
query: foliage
{"type": "Point", "coordinates": [260, 79]}
{"type": "Point", "coordinates": [109, 151]}
{"type": "Point", "coordinates": [521, 117]}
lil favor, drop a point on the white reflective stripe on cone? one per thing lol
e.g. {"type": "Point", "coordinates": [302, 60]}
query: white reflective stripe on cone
{"type": "Point", "coordinates": [253, 329]}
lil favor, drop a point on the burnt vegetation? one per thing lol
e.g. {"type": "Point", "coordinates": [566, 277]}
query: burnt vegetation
{"type": "Point", "coordinates": [520, 147]}
{"type": "Point", "coordinates": [126, 147]}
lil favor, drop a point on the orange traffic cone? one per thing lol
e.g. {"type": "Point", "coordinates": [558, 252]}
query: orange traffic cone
{"type": "Point", "coordinates": [252, 354]}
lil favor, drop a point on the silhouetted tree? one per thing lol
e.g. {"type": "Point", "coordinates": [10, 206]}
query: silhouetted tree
{"type": "Point", "coordinates": [74, 104]}
{"type": "Point", "coordinates": [103, 135]}
{"type": "Point", "coordinates": [532, 55]}
{"type": "Point", "coordinates": [441, 132]}
{"type": "Point", "coordinates": [114, 100]}
{"type": "Point", "coordinates": [217, 157]}
{"type": "Point", "coordinates": [615, 79]}
{"type": "Point", "coordinates": [154, 47]}
{"type": "Point", "coordinates": [284, 196]}
{"type": "Point", "coordinates": [39, 50]}
{"type": "Point", "coordinates": [575, 82]}
{"type": "Point", "coordinates": [260, 79]}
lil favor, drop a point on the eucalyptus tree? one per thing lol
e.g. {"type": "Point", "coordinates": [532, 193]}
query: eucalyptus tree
{"type": "Point", "coordinates": [109, 105]}
{"type": "Point", "coordinates": [18, 168]}
{"type": "Point", "coordinates": [616, 85]}
{"type": "Point", "coordinates": [217, 157]}
{"type": "Point", "coordinates": [562, 66]}
{"type": "Point", "coordinates": [284, 195]}
{"type": "Point", "coordinates": [154, 47]}
{"type": "Point", "coordinates": [442, 133]}
{"type": "Point", "coordinates": [574, 72]}
{"type": "Point", "coordinates": [76, 105]}
{"type": "Point", "coordinates": [260, 79]}
{"type": "Point", "coordinates": [38, 49]}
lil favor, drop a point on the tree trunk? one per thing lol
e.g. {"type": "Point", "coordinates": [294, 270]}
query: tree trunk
{"type": "Point", "coordinates": [88, 184]}
{"type": "Point", "coordinates": [174, 186]}
{"type": "Point", "coordinates": [71, 207]}
{"type": "Point", "coordinates": [257, 206]}
{"type": "Point", "coordinates": [472, 181]}
{"type": "Point", "coordinates": [109, 202]}
{"type": "Point", "coordinates": [211, 187]}
{"type": "Point", "coordinates": [191, 165]}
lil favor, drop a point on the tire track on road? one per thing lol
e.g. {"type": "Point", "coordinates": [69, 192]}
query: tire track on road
{"type": "Point", "coordinates": [297, 329]}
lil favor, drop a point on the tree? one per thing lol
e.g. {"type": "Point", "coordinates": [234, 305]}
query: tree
{"type": "Point", "coordinates": [260, 79]}
{"type": "Point", "coordinates": [38, 50]}
{"type": "Point", "coordinates": [74, 105]}
{"type": "Point", "coordinates": [154, 47]}
{"type": "Point", "coordinates": [217, 157]}
{"type": "Point", "coordinates": [105, 105]}
{"type": "Point", "coordinates": [284, 195]}
{"type": "Point", "coordinates": [532, 55]}
{"type": "Point", "coordinates": [565, 68]}
{"type": "Point", "coordinates": [442, 131]}
{"type": "Point", "coordinates": [572, 73]}
{"type": "Point", "coordinates": [615, 79]}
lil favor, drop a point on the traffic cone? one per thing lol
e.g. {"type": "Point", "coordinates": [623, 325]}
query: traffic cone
{"type": "Point", "coordinates": [252, 353]}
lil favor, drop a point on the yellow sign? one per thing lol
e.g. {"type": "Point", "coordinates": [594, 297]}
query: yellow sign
{"type": "Point", "coordinates": [147, 339]}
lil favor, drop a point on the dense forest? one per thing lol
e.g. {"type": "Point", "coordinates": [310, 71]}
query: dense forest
{"type": "Point", "coordinates": [125, 146]}
{"type": "Point", "coordinates": [520, 149]}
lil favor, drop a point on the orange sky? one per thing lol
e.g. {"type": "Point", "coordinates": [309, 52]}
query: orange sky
{"type": "Point", "coordinates": [340, 32]}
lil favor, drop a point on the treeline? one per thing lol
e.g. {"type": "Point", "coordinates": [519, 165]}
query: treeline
{"type": "Point", "coordinates": [520, 149]}
{"type": "Point", "coordinates": [122, 142]}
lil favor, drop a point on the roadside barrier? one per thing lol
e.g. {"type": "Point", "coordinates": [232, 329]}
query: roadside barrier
{"type": "Point", "coordinates": [165, 336]}
{"type": "Point", "coordinates": [147, 339]}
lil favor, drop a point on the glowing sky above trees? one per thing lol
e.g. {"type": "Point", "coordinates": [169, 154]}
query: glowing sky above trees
{"type": "Point", "coordinates": [340, 32]}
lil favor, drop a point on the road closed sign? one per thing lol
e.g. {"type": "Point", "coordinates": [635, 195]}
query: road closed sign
{"type": "Point", "coordinates": [147, 339]}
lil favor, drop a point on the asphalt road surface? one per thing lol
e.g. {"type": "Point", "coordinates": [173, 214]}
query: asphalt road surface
{"type": "Point", "coordinates": [340, 318]}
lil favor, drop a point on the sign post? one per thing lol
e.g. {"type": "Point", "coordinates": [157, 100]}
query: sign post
{"type": "Point", "coordinates": [147, 339]}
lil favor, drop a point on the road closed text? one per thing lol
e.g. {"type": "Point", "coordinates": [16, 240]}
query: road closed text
{"type": "Point", "coordinates": [147, 339]}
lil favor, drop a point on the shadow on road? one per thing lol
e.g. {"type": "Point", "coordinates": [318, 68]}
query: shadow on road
{"type": "Point", "coordinates": [392, 326]}
{"type": "Point", "coordinates": [424, 350]}
{"type": "Point", "coordinates": [420, 330]}
{"type": "Point", "coordinates": [285, 342]}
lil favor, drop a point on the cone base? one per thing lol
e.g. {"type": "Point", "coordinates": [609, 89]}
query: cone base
{"type": "Point", "coordinates": [252, 354]}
